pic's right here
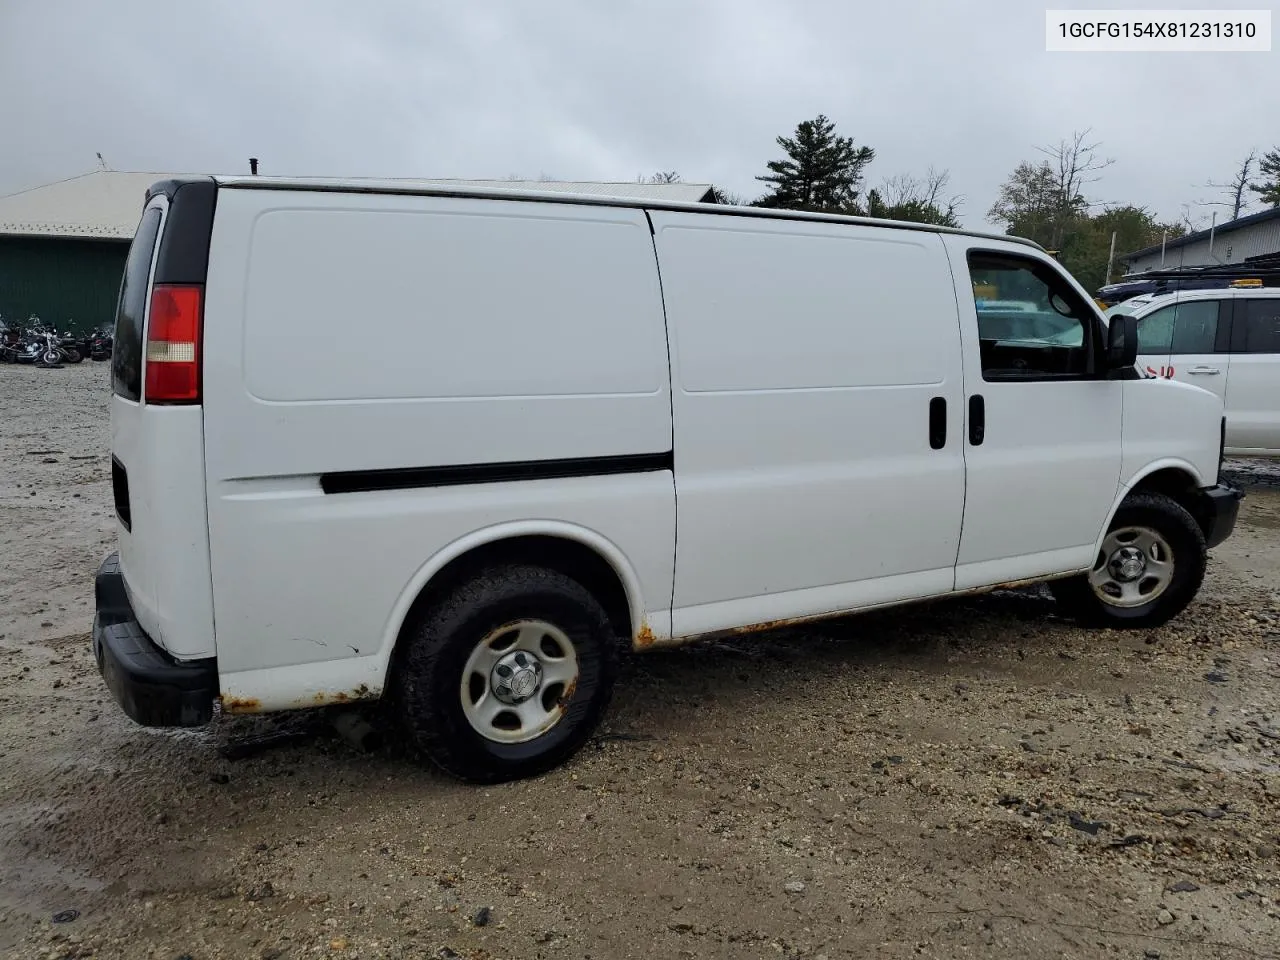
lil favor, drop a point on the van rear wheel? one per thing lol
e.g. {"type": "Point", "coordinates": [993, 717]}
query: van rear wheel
{"type": "Point", "coordinates": [507, 676]}
{"type": "Point", "coordinates": [1149, 567]}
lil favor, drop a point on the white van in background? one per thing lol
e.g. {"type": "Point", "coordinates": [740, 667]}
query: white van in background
{"type": "Point", "coordinates": [628, 423]}
{"type": "Point", "coordinates": [1226, 340]}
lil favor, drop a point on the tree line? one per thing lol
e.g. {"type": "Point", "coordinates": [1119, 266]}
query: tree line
{"type": "Point", "coordinates": [1049, 199]}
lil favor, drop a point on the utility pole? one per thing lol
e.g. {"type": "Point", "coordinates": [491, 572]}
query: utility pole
{"type": "Point", "coordinates": [1111, 257]}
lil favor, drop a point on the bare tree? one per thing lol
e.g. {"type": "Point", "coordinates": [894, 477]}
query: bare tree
{"type": "Point", "coordinates": [1192, 224]}
{"type": "Point", "coordinates": [1075, 163]}
{"type": "Point", "coordinates": [926, 190]}
{"type": "Point", "coordinates": [904, 192]}
{"type": "Point", "coordinates": [1234, 190]}
{"type": "Point", "coordinates": [662, 176]}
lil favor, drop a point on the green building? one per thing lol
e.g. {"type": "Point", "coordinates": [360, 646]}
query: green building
{"type": "Point", "coordinates": [63, 247]}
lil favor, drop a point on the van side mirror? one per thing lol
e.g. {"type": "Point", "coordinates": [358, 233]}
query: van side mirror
{"type": "Point", "coordinates": [1122, 342]}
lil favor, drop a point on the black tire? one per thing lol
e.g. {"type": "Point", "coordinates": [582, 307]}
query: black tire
{"type": "Point", "coordinates": [71, 355]}
{"type": "Point", "coordinates": [1171, 521]}
{"type": "Point", "coordinates": [429, 666]}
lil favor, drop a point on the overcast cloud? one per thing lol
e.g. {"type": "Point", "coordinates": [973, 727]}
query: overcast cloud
{"type": "Point", "coordinates": [606, 90]}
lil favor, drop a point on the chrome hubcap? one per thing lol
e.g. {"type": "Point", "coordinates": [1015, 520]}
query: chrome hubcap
{"type": "Point", "coordinates": [1134, 567]}
{"type": "Point", "coordinates": [516, 677]}
{"type": "Point", "coordinates": [518, 681]}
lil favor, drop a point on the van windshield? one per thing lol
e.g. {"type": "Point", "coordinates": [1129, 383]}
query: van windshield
{"type": "Point", "coordinates": [126, 351]}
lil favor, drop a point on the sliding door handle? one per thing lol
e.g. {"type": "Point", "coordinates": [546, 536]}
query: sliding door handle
{"type": "Point", "coordinates": [977, 419]}
{"type": "Point", "coordinates": [938, 423]}
{"type": "Point", "coordinates": [1204, 371]}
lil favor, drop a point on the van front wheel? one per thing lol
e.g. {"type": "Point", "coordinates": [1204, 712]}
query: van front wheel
{"type": "Point", "coordinates": [507, 676]}
{"type": "Point", "coordinates": [1149, 567]}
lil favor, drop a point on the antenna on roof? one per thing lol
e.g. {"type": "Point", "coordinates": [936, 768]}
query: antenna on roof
{"type": "Point", "coordinates": [102, 164]}
{"type": "Point", "coordinates": [253, 166]}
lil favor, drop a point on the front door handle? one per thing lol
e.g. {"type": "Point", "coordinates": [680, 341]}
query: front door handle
{"type": "Point", "coordinates": [977, 419]}
{"type": "Point", "coordinates": [1204, 371]}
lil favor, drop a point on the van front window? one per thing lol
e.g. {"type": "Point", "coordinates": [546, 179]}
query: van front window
{"type": "Point", "coordinates": [1035, 326]}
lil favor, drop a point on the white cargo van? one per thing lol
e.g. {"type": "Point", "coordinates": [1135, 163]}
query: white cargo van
{"type": "Point", "coordinates": [453, 449]}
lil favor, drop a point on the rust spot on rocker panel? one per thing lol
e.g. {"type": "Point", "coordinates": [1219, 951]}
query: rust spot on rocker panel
{"type": "Point", "coordinates": [644, 636]}
{"type": "Point", "coordinates": [321, 698]}
{"type": "Point", "coordinates": [328, 698]}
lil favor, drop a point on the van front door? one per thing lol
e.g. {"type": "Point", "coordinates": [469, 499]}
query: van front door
{"type": "Point", "coordinates": [1042, 427]}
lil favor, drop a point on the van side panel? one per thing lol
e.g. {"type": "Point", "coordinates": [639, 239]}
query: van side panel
{"type": "Point", "coordinates": [806, 358]}
{"type": "Point", "coordinates": [348, 334]}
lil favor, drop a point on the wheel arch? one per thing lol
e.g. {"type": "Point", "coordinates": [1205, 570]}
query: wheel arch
{"type": "Point", "coordinates": [1177, 479]}
{"type": "Point", "coordinates": [577, 551]}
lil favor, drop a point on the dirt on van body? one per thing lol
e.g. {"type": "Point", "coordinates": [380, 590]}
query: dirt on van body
{"type": "Point", "coordinates": [969, 778]}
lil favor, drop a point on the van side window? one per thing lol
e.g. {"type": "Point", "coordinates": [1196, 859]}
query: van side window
{"type": "Point", "coordinates": [1195, 327]}
{"type": "Point", "coordinates": [1262, 325]}
{"type": "Point", "coordinates": [1031, 324]}
{"type": "Point", "coordinates": [126, 358]}
{"type": "Point", "coordinates": [1155, 331]}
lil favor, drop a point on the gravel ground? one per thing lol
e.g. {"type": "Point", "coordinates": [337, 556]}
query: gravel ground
{"type": "Point", "coordinates": [968, 778]}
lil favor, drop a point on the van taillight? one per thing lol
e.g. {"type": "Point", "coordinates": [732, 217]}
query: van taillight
{"type": "Point", "coordinates": [173, 345]}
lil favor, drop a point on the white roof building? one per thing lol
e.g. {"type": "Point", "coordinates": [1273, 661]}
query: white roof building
{"type": "Point", "coordinates": [106, 204]}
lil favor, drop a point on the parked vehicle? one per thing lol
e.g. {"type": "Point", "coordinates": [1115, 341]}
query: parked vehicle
{"type": "Point", "coordinates": [636, 422]}
{"type": "Point", "coordinates": [1256, 270]}
{"type": "Point", "coordinates": [74, 348]}
{"type": "Point", "coordinates": [1226, 341]}
{"type": "Point", "coordinates": [51, 351]}
{"type": "Point", "coordinates": [100, 344]}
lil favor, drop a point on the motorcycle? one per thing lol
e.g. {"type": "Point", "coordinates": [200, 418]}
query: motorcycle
{"type": "Point", "coordinates": [73, 348]}
{"type": "Point", "coordinates": [20, 346]}
{"type": "Point", "coordinates": [100, 344]}
{"type": "Point", "coordinates": [51, 353]}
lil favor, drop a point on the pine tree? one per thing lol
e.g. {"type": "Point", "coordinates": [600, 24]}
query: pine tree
{"type": "Point", "coordinates": [822, 171]}
{"type": "Point", "coordinates": [1269, 187]}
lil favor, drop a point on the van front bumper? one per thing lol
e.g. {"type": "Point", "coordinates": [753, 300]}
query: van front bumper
{"type": "Point", "coordinates": [154, 689]}
{"type": "Point", "coordinates": [1219, 507]}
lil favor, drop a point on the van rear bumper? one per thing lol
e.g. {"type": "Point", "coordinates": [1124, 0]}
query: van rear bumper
{"type": "Point", "coordinates": [154, 689]}
{"type": "Point", "coordinates": [1219, 507]}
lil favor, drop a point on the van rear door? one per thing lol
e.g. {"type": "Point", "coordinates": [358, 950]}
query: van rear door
{"type": "Point", "coordinates": [157, 427]}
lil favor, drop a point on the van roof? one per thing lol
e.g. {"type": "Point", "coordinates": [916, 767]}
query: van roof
{"type": "Point", "coordinates": [435, 188]}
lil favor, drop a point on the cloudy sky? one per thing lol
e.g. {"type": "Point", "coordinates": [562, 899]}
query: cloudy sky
{"type": "Point", "coordinates": [608, 89]}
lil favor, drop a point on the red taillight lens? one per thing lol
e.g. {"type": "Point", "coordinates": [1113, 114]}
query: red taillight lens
{"type": "Point", "coordinates": [173, 345]}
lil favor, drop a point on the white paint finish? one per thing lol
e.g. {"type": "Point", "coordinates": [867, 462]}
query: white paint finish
{"type": "Point", "coordinates": [767, 306]}
{"type": "Point", "coordinates": [812, 602]}
{"type": "Point", "coordinates": [164, 557]}
{"type": "Point", "coordinates": [1039, 486]}
{"type": "Point", "coordinates": [378, 351]}
{"type": "Point", "coordinates": [473, 297]}
{"type": "Point", "coordinates": [456, 299]}
{"type": "Point", "coordinates": [1026, 566]}
{"type": "Point", "coordinates": [304, 577]}
{"type": "Point", "coordinates": [1167, 423]}
{"type": "Point", "coordinates": [301, 685]}
{"type": "Point", "coordinates": [801, 421]}
{"type": "Point", "coordinates": [1253, 404]}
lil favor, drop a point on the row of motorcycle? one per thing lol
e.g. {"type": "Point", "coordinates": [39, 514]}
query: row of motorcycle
{"type": "Point", "coordinates": [42, 345]}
